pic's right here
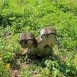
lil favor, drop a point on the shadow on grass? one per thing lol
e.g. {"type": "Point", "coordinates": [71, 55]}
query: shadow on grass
{"type": "Point", "coordinates": [65, 69]}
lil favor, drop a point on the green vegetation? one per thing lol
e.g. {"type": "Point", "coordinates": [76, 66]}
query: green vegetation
{"type": "Point", "coordinates": [18, 16]}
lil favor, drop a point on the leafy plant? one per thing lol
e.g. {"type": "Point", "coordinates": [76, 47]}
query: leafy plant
{"type": "Point", "coordinates": [7, 57]}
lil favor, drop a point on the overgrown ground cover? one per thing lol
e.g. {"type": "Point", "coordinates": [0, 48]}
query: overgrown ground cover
{"type": "Point", "coordinates": [18, 16]}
